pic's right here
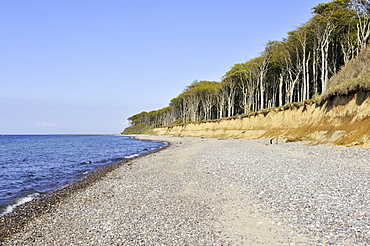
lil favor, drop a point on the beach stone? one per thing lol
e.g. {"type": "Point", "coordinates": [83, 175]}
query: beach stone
{"type": "Point", "coordinates": [202, 191]}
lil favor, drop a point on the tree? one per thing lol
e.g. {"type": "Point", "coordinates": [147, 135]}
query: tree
{"type": "Point", "coordinates": [228, 88]}
{"type": "Point", "coordinates": [287, 71]}
{"type": "Point", "coordinates": [362, 8]}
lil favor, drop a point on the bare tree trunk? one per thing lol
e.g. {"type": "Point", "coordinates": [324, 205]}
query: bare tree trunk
{"type": "Point", "coordinates": [314, 71]}
{"type": "Point", "coordinates": [262, 69]}
{"type": "Point", "coordinates": [228, 88]}
{"type": "Point", "coordinates": [325, 35]}
{"type": "Point", "coordinates": [307, 76]}
{"type": "Point", "coordinates": [363, 25]}
{"type": "Point", "coordinates": [184, 109]}
{"type": "Point", "coordinates": [221, 104]}
{"type": "Point", "coordinates": [281, 82]}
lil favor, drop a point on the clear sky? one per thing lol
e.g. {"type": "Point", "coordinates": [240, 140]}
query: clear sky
{"type": "Point", "coordinates": [85, 66]}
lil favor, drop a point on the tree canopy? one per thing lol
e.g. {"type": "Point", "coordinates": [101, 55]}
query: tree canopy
{"type": "Point", "coordinates": [294, 69]}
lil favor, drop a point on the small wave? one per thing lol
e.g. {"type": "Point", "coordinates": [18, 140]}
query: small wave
{"type": "Point", "coordinates": [86, 162]}
{"type": "Point", "coordinates": [18, 202]}
{"type": "Point", "coordinates": [153, 148]}
{"type": "Point", "coordinates": [131, 156]}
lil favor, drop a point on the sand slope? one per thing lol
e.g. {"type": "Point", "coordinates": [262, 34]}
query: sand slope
{"type": "Point", "coordinates": [342, 120]}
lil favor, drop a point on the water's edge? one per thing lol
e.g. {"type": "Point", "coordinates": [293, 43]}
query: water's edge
{"type": "Point", "coordinates": [14, 221]}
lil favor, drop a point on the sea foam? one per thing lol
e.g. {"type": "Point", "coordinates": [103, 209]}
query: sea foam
{"type": "Point", "coordinates": [19, 202]}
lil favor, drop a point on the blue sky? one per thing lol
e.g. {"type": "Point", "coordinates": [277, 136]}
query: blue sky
{"type": "Point", "coordinates": [85, 66]}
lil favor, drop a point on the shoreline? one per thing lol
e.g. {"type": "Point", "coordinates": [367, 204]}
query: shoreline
{"type": "Point", "coordinates": [14, 221]}
{"type": "Point", "coordinates": [204, 191]}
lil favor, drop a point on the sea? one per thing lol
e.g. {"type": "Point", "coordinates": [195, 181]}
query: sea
{"type": "Point", "coordinates": [31, 165]}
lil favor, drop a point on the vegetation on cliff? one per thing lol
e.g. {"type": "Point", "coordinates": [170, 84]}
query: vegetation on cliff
{"type": "Point", "coordinates": [300, 67]}
{"type": "Point", "coordinates": [354, 76]}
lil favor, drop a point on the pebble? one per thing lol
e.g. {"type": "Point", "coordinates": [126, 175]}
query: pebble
{"type": "Point", "coordinates": [201, 191]}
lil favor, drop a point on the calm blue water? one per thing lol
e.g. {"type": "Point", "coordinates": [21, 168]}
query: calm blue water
{"type": "Point", "coordinates": [32, 164]}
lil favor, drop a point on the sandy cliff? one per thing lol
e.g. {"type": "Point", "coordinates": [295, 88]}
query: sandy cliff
{"type": "Point", "coordinates": [342, 120]}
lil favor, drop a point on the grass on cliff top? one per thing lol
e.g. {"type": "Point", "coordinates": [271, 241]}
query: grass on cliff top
{"type": "Point", "coordinates": [354, 76]}
{"type": "Point", "coordinates": [136, 129]}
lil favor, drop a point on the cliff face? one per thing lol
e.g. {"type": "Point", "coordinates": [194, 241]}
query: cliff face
{"type": "Point", "coordinates": [341, 120]}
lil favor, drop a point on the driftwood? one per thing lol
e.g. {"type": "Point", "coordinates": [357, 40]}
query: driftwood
{"type": "Point", "coordinates": [277, 140]}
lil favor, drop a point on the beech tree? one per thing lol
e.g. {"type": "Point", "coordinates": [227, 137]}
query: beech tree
{"type": "Point", "coordinates": [228, 88]}
{"type": "Point", "coordinates": [241, 74]}
{"type": "Point", "coordinates": [262, 66]}
{"type": "Point", "coordinates": [362, 9]}
{"type": "Point", "coordinates": [207, 91]}
{"type": "Point", "coordinates": [286, 71]}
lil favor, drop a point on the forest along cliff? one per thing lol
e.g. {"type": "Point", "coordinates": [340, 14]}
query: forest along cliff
{"type": "Point", "coordinates": [342, 120]}
{"type": "Point", "coordinates": [314, 85]}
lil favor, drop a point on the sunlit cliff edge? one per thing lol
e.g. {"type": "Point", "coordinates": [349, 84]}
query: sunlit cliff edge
{"type": "Point", "coordinates": [341, 120]}
{"type": "Point", "coordinates": [341, 116]}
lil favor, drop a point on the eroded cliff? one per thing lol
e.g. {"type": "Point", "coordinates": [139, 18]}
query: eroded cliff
{"type": "Point", "coordinates": [341, 120]}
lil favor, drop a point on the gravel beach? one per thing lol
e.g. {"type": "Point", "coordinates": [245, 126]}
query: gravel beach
{"type": "Point", "coordinates": [202, 191]}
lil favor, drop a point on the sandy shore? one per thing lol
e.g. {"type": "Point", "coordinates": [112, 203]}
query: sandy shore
{"type": "Point", "coordinates": [217, 192]}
